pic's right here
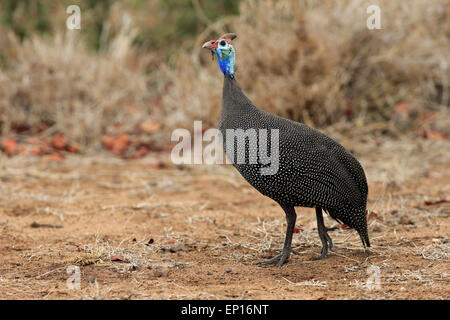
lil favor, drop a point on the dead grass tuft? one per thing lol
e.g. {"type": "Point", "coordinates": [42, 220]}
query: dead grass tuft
{"type": "Point", "coordinates": [59, 83]}
{"type": "Point", "coordinates": [435, 252]}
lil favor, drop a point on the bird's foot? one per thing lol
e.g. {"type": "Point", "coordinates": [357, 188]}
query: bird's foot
{"type": "Point", "coordinates": [322, 254]}
{"type": "Point", "coordinates": [327, 243]}
{"type": "Point", "coordinates": [279, 259]}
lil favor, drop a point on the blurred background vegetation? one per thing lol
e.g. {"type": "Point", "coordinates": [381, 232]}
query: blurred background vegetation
{"type": "Point", "coordinates": [162, 25]}
{"type": "Point", "coordinates": [137, 64]}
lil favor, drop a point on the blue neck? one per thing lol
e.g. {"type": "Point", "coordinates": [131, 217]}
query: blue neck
{"type": "Point", "coordinates": [227, 62]}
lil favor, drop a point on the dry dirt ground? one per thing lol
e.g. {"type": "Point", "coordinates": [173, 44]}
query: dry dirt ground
{"type": "Point", "coordinates": [196, 232]}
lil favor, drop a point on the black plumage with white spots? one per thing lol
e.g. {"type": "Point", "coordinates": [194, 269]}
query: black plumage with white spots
{"type": "Point", "coordinates": [314, 170]}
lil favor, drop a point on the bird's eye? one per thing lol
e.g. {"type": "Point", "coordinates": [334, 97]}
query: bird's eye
{"type": "Point", "coordinates": [222, 43]}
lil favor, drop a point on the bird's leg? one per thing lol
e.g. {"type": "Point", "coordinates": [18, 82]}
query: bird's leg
{"type": "Point", "coordinates": [323, 234]}
{"type": "Point", "coordinates": [281, 258]}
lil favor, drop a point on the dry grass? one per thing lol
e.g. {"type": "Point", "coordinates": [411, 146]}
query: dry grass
{"type": "Point", "coordinates": [316, 62]}
{"type": "Point", "coordinates": [311, 61]}
{"type": "Point", "coordinates": [59, 83]}
{"type": "Point", "coordinates": [436, 251]}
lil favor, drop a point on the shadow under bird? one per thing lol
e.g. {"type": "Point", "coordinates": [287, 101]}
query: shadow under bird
{"type": "Point", "coordinates": [313, 170]}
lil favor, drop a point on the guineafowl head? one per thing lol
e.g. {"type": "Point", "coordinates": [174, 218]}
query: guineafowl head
{"type": "Point", "coordinates": [224, 50]}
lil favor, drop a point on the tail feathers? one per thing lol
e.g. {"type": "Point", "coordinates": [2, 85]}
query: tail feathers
{"type": "Point", "coordinates": [364, 238]}
{"type": "Point", "coordinates": [359, 224]}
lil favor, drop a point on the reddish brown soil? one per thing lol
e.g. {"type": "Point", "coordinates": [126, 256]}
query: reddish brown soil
{"type": "Point", "coordinates": [209, 228]}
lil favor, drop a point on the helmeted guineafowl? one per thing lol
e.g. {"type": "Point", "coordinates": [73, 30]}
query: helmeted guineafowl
{"type": "Point", "coordinates": [313, 170]}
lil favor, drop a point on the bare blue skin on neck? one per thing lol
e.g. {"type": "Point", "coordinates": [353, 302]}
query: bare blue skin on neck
{"type": "Point", "coordinates": [226, 59]}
